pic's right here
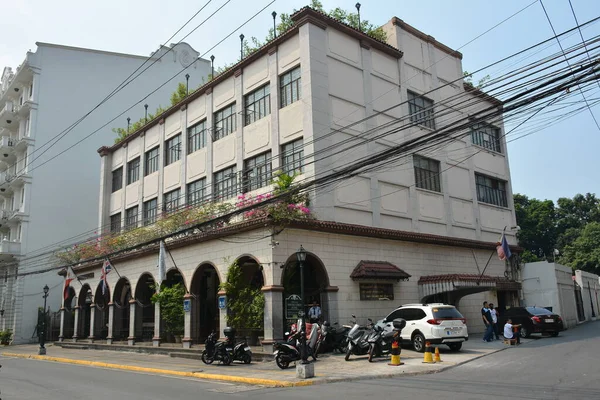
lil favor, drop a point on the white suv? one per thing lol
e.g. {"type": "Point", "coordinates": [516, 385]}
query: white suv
{"type": "Point", "coordinates": [436, 323]}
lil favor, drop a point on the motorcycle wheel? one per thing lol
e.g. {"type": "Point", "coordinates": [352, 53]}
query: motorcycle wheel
{"type": "Point", "coordinates": [371, 353]}
{"type": "Point", "coordinates": [246, 358]}
{"type": "Point", "coordinates": [206, 359]}
{"type": "Point", "coordinates": [226, 359]}
{"type": "Point", "coordinates": [281, 363]}
{"type": "Point", "coordinates": [348, 352]}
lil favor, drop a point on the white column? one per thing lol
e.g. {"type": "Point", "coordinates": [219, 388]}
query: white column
{"type": "Point", "coordinates": [156, 338]}
{"type": "Point", "coordinates": [131, 338]}
{"type": "Point", "coordinates": [111, 317]}
{"type": "Point", "coordinates": [76, 324]}
{"type": "Point", "coordinates": [222, 313]}
{"type": "Point", "coordinates": [273, 320]}
{"type": "Point", "coordinates": [187, 322]}
{"type": "Point", "coordinates": [92, 319]}
{"type": "Point", "coordinates": [61, 335]}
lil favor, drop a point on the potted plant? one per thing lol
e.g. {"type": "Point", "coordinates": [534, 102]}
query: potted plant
{"type": "Point", "coordinates": [5, 337]}
{"type": "Point", "coordinates": [171, 310]}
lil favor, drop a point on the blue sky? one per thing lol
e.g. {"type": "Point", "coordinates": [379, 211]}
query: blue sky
{"type": "Point", "coordinates": [556, 162]}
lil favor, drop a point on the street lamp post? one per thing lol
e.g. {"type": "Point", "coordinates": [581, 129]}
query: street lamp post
{"type": "Point", "coordinates": [42, 349]}
{"type": "Point", "coordinates": [301, 254]}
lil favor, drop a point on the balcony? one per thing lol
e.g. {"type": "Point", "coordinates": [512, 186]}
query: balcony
{"type": "Point", "coordinates": [9, 248]}
{"type": "Point", "coordinates": [6, 145]}
{"type": "Point", "coordinates": [22, 143]}
{"type": "Point", "coordinates": [11, 215]}
{"type": "Point", "coordinates": [8, 116]}
{"type": "Point", "coordinates": [25, 108]}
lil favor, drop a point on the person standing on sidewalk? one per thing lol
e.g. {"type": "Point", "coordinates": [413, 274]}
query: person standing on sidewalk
{"type": "Point", "coordinates": [495, 329]}
{"type": "Point", "coordinates": [487, 320]}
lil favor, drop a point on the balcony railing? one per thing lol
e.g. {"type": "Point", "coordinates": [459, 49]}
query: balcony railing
{"type": "Point", "coordinates": [10, 247]}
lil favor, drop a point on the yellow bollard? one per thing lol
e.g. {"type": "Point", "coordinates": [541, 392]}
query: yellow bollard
{"type": "Point", "coordinates": [436, 356]}
{"type": "Point", "coordinates": [428, 357]}
{"type": "Point", "coordinates": [395, 355]}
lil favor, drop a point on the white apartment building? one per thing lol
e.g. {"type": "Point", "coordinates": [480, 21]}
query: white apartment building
{"type": "Point", "coordinates": [419, 230]}
{"type": "Point", "coordinates": [44, 204]}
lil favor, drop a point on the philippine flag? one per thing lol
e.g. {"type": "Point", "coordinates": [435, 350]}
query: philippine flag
{"type": "Point", "coordinates": [503, 248]}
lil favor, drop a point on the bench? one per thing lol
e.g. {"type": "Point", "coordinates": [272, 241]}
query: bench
{"type": "Point", "coordinates": [510, 342]}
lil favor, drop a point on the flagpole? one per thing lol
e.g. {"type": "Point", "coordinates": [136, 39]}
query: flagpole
{"type": "Point", "coordinates": [172, 259]}
{"type": "Point", "coordinates": [113, 265]}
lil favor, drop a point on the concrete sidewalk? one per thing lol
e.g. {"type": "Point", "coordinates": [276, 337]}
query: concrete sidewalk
{"type": "Point", "coordinates": [328, 368]}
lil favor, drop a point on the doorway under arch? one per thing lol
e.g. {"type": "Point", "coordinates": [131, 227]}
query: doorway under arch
{"type": "Point", "coordinates": [205, 308]}
{"type": "Point", "coordinates": [121, 298]}
{"type": "Point", "coordinates": [84, 320]}
{"type": "Point", "coordinates": [316, 280]}
{"type": "Point", "coordinates": [101, 314]}
{"type": "Point", "coordinates": [144, 309]}
{"type": "Point", "coordinates": [69, 319]}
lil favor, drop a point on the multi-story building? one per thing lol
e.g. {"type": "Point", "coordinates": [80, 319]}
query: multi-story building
{"type": "Point", "coordinates": [47, 202]}
{"type": "Point", "coordinates": [319, 97]}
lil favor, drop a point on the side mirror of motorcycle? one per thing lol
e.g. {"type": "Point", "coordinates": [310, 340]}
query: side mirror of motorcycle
{"type": "Point", "coordinates": [287, 333]}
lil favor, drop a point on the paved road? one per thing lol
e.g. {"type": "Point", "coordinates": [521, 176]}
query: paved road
{"type": "Point", "coordinates": [566, 367]}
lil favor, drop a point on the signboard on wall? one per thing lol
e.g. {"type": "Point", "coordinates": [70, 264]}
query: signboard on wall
{"type": "Point", "coordinates": [222, 302]}
{"type": "Point", "coordinates": [377, 291]}
{"type": "Point", "coordinates": [187, 305]}
{"type": "Point", "coordinates": [293, 306]}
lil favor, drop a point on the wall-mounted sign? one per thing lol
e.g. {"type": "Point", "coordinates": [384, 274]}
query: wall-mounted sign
{"type": "Point", "coordinates": [293, 306]}
{"type": "Point", "coordinates": [377, 291]}
{"type": "Point", "coordinates": [187, 305]}
{"type": "Point", "coordinates": [222, 302]}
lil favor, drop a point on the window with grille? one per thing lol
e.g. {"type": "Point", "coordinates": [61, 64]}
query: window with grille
{"type": "Point", "coordinates": [257, 105]}
{"type": "Point", "coordinates": [133, 171]}
{"type": "Point", "coordinates": [196, 137]}
{"type": "Point", "coordinates": [131, 217]}
{"type": "Point", "coordinates": [196, 192]}
{"type": "Point", "coordinates": [427, 173]}
{"type": "Point", "coordinates": [117, 179]}
{"type": "Point", "coordinates": [224, 122]}
{"type": "Point", "coordinates": [486, 136]}
{"type": "Point", "coordinates": [173, 150]}
{"type": "Point", "coordinates": [421, 110]}
{"type": "Point", "coordinates": [257, 172]}
{"type": "Point", "coordinates": [115, 223]}
{"type": "Point", "coordinates": [289, 87]}
{"type": "Point", "coordinates": [171, 200]}
{"type": "Point", "coordinates": [491, 191]}
{"type": "Point", "coordinates": [150, 211]}
{"type": "Point", "coordinates": [225, 184]}
{"type": "Point", "coordinates": [151, 161]}
{"type": "Point", "coordinates": [292, 155]}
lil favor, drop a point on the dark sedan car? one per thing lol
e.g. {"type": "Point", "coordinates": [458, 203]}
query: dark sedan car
{"type": "Point", "coordinates": [533, 320]}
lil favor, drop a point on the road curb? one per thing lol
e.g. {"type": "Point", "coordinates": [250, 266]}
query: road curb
{"type": "Point", "coordinates": [199, 375]}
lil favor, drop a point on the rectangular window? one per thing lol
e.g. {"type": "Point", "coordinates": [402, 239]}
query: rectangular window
{"type": "Point", "coordinates": [225, 184]}
{"type": "Point", "coordinates": [150, 209]}
{"type": "Point", "coordinates": [173, 150]}
{"type": "Point", "coordinates": [115, 223]}
{"type": "Point", "coordinates": [196, 137]}
{"type": "Point", "coordinates": [257, 105]}
{"type": "Point", "coordinates": [376, 291]}
{"type": "Point", "coordinates": [31, 91]}
{"type": "Point", "coordinates": [196, 192]}
{"type": "Point", "coordinates": [117, 179]}
{"type": "Point", "coordinates": [131, 217]}
{"type": "Point", "coordinates": [289, 87]}
{"type": "Point", "coordinates": [133, 171]}
{"type": "Point", "coordinates": [224, 122]}
{"type": "Point", "coordinates": [257, 172]}
{"type": "Point", "coordinates": [486, 136]}
{"type": "Point", "coordinates": [151, 161]}
{"type": "Point", "coordinates": [491, 191]}
{"type": "Point", "coordinates": [292, 155]}
{"type": "Point", "coordinates": [171, 200]}
{"type": "Point", "coordinates": [427, 173]}
{"type": "Point", "coordinates": [421, 110]}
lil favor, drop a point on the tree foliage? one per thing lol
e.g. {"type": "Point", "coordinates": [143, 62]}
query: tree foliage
{"type": "Point", "coordinates": [245, 303]}
{"type": "Point", "coordinates": [572, 227]}
{"type": "Point", "coordinates": [171, 307]}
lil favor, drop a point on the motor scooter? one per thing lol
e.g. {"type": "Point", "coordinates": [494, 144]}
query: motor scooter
{"type": "Point", "coordinates": [240, 351]}
{"type": "Point", "coordinates": [287, 351]}
{"type": "Point", "coordinates": [357, 339]}
{"type": "Point", "coordinates": [216, 351]}
{"type": "Point", "coordinates": [380, 341]}
{"type": "Point", "coordinates": [332, 338]}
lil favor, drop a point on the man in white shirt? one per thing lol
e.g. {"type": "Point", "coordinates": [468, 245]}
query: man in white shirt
{"type": "Point", "coordinates": [509, 333]}
{"type": "Point", "coordinates": [314, 314]}
{"type": "Point", "coordinates": [495, 329]}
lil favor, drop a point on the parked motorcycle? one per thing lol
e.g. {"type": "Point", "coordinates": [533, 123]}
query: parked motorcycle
{"type": "Point", "coordinates": [332, 338]}
{"type": "Point", "coordinates": [312, 337]}
{"type": "Point", "coordinates": [241, 351]}
{"type": "Point", "coordinates": [216, 351]}
{"type": "Point", "coordinates": [357, 339]}
{"type": "Point", "coordinates": [380, 341]}
{"type": "Point", "coordinates": [287, 351]}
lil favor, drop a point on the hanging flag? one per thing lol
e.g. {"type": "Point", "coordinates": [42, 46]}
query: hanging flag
{"type": "Point", "coordinates": [68, 279]}
{"type": "Point", "coordinates": [106, 268]}
{"type": "Point", "coordinates": [503, 248]}
{"type": "Point", "coordinates": [162, 265]}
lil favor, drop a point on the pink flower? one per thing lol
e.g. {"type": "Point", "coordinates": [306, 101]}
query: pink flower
{"type": "Point", "coordinates": [304, 210]}
{"type": "Point", "coordinates": [291, 206]}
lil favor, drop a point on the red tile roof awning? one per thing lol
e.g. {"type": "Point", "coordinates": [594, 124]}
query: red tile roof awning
{"type": "Point", "coordinates": [378, 270]}
{"type": "Point", "coordinates": [458, 277]}
{"type": "Point", "coordinates": [430, 285]}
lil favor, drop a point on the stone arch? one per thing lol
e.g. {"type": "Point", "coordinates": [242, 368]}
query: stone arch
{"type": "Point", "coordinates": [316, 284]}
{"type": "Point", "coordinates": [84, 320]}
{"type": "Point", "coordinates": [204, 289]}
{"type": "Point", "coordinates": [101, 301]}
{"type": "Point", "coordinates": [121, 296]}
{"type": "Point", "coordinates": [144, 309]}
{"type": "Point", "coordinates": [69, 317]}
{"type": "Point", "coordinates": [253, 270]}
{"type": "Point", "coordinates": [174, 276]}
